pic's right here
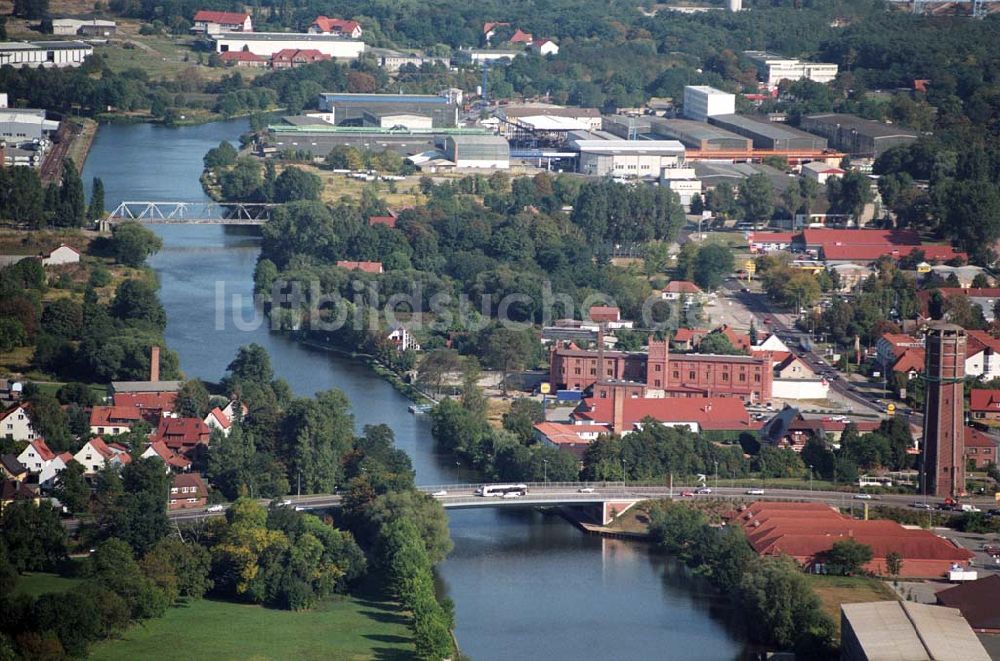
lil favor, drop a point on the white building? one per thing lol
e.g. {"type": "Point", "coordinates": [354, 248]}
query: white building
{"type": "Point", "coordinates": [403, 338]}
{"type": "Point", "coordinates": [216, 419]}
{"type": "Point", "coordinates": [69, 27]}
{"type": "Point", "coordinates": [476, 55]}
{"type": "Point", "coordinates": [267, 44]}
{"type": "Point", "coordinates": [25, 125]}
{"type": "Point", "coordinates": [682, 181]}
{"type": "Point", "coordinates": [62, 255]}
{"type": "Point", "coordinates": [627, 158]}
{"type": "Point", "coordinates": [489, 152]}
{"type": "Point", "coordinates": [544, 47]}
{"type": "Point", "coordinates": [702, 102]}
{"type": "Point", "coordinates": [15, 424]}
{"type": "Point", "coordinates": [215, 22]}
{"type": "Point", "coordinates": [96, 454]}
{"type": "Point", "coordinates": [772, 68]}
{"type": "Point", "coordinates": [44, 54]}
{"type": "Point", "coordinates": [36, 456]}
{"type": "Point", "coordinates": [50, 471]}
{"type": "Point", "coordinates": [819, 171]}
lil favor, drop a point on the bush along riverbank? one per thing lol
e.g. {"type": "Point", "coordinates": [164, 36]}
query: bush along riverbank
{"type": "Point", "coordinates": [771, 595]}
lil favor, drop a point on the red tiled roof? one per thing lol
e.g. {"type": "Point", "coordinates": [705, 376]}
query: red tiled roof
{"type": "Point", "coordinates": [977, 600]}
{"type": "Point", "coordinates": [220, 417]}
{"type": "Point", "coordinates": [901, 339]}
{"type": "Point", "coordinates": [977, 340]}
{"type": "Point", "coordinates": [690, 334]}
{"type": "Point", "coordinates": [191, 480]}
{"type": "Point", "coordinates": [912, 360]}
{"type": "Point", "coordinates": [521, 37]}
{"type": "Point", "coordinates": [336, 25]}
{"type": "Point", "coordinates": [180, 434]}
{"type": "Point", "coordinates": [367, 267]}
{"type": "Point", "coordinates": [388, 221]}
{"type": "Point", "coordinates": [977, 439]}
{"type": "Point", "coordinates": [604, 313]}
{"type": "Point", "coordinates": [169, 456]}
{"type": "Point", "coordinates": [146, 401]}
{"type": "Point", "coordinates": [12, 409]}
{"type": "Point", "coordinates": [984, 400]}
{"type": "Point", "coordinates": [42, 449]}
{"type": "Point", "coordinates": [681, 287]}
{"type": "Point", "coordinates": [241, 56]}
{"type": "Point", "coordinates": [103, 416]}
{"type": "Point", "coordinates": [832, 237]}
{"type": "Point", "coordinates": [108, 452]}
{"type": "Point", "coordinates": [490, 25]}
{"type": "Point", "coordinates": [221, 17]}
{"type": "Point", "coordinates": [720, 413]}
{"type": "Point", "coordinates": [559, 433]}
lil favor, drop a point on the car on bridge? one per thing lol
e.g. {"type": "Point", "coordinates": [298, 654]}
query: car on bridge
{"type": "Point", "coordinates": [703, 491]}
{"type": "Point", "coordinates": [687, 494]}
{"type": "Point", "coordinates": [585, 490]}
{"type": "Point", "coordinates": [862, 496]}
{"type": "Point", "coordinates": [440, 493]}
{"type": "Point", "coordinates": [754, 492]}
{"type": "Point", "coordinates": [215, 508]}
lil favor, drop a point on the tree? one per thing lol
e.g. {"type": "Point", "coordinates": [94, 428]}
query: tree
{"type": "Point", "coordinates": [192, 400]}
{"type": "Point", "coordinates": [296, 184]}
{"type": "Point", "coordinates": [849, 194]}
{"type": "Point", "coordinates": [96, 209]}
{"type": "Point", "coordinates": [220, 157]}
{"type": "Point", "coordinates": [507, 349]}
{"type": "Point", "coordinates": [138, 514]}
{"type": "Point", "coordinates": [243, 181]}
{"type": "Point", "coordinates": [757, 198]}
{"type": "Point", "coordinates": [717, 343]}
{"type": "Point", "coordinates": [33, 537]}
{"type": "Point", "coordinates": [136, 301]}
{"type": "Point", "coordinates": [848, 556]}
{"type": "Point", "coordinates": [31, 9]}
{"type": "Point", "coordinates": [712, 262]}
{"type": "Point", "coordinates": [72, 489]}
{"type": "Point", "coordinates": [894, 563]}
{"type": "Point", "coordinates": [132, 243]}
{"type": "Point", "coordinates": [73, 202]}
{"type": "Point", "coordinates": [697, 204]}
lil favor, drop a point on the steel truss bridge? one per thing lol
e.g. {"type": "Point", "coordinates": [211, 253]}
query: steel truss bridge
{"type": "Point", "coordinates": [202, 212]}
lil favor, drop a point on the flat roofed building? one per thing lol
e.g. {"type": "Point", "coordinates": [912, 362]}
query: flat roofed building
{"type": "Point", "coordinates": [269, 43]}
{"type": "Point", "coordinates": [478, 151]}
{"type": "Point", "coordinates": [857, 136]}
{"type": "Point", "coordinates": [351, 108]}
{"type": "Point", "coordinates": [699, 135]}
{"type": "Point", "coordinates": [769, 135]}
{"type": "Point", "coordinates": [90, 27]}
{"type": "Point", "coordinates": [627, 158]}
{"type": "Point", "coordinates": [547, 117]}
{"type": "Point", "coordinates": [772, 68]}
{"type": "Point", "coordinates": [906, 631]}
{"type": "Point", "coordinates": [44, 54]}
{"type": "Point", "coordinates": [396, 120]}
{"type": "Point", "coordinates": [702, 102]}
{"type": "Point", "coordinates": [19, 125]}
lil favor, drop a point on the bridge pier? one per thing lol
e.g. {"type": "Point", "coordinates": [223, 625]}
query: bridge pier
{"type": "Point", "coordinates": [612, 509]}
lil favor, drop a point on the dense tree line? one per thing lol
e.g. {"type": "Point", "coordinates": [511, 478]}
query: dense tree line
{"type": "Point", "coordinates": [23, 198]}
{"type": "Point", "coordinates": [769, 594]}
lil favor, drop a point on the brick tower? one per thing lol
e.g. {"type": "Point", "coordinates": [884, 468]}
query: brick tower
{"type": "Point", "coordinates": [944, 423]}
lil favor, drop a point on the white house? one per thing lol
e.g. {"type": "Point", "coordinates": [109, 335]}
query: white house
{"type": "Point", "coordinates": [96, 454]}
{"type": "Point", "coordinates": [230, 410]}
{"type": "Point", "coordinates": [62, 255]}
{"type": "Point", "coordinates": [50, 471]}
{"type": "Point", "coordinates": [403, 338]}
{"type": "Point", "coordinates": [214, 22]}
{"type": "Point", "coordinates": [217, 419]}
{"type": "Point", "coordinates": [819, 171]}
{"type": "Point", "coordinates": [159, 450]}
{"type": "Point", "coordinates": [544, 47]}
{"type": "Point", "coordinates": [772, 343]}
{"type": "Point", "coordinates": [36, 455]}
{"type": "Point", "coordinates": [15, 424]}
{"type": "Point", "coordinates": [345, 28]}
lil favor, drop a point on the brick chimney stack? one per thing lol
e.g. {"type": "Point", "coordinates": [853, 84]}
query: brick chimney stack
{"type": "Point", "coordinates": [154, 364]}
{"type": "Point", "coordinates": [618, 404]}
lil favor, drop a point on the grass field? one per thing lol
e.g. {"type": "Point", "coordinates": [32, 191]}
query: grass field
{"type": "Point", "coordinates": [41, 583]}
{"type": "Point", "coordinates": [349, 630]}
{"type": "Point", "coordinates": [836, 590]}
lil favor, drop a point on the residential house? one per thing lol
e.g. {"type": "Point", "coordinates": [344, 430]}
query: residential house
{"type": "Point", "coordinates": [289, 58]}
{"type": "Point", "coordinates": [95, 455]}
{"type": "Point", "coordinates": [984, 405]}
{"type": "Point", "coordinates": [172, 460]}
{"type": "Point", "coordinates": [980, 448]}
{"type": "Point", "coordinates": [365, 267]}
{"type": "Point", "coordinates": [790, 366]}
{"type": "Point", "coordinates": [214, 22]}
{"type": "Point", "coordinates": [982, 355]}
{"type": "Point", "coordinates": [13, 491]}
{"type": "Point", "coordinates": [15, 424]}
{"type": "Point", "coordinates": [345, 28]}
{"type": "Point", "coordinates": [229, 410]}
{"type": "Point", "coordinates": [521, 37]}
{"type": "Point", "coordinates": [388, 221]}
{"type": "Point", "coordinates": [216, 419]}
{"type": "Point", "coordinates": [891, 346]}
{"type": "Point", "coordinates": [611, 317]}
{"type": "Point", "coordinates": [687, 339]}
{"type": "Point", "coordinates": [789, 428]}
{"type": "Point", "coordinates": [243, 58]}
{"type": "Point", "coordinates": [401, 336]}
{"type": "Point", "coordinates": [770, 342]}
{"type": "Point", "coordinates": [677, 289]}
{"type": "Point", "coordinates": [490, 29]}
{"type": "Point", "coordinates": [544, 47]}
{"type": "Point", "coordinates": [50, 471]}
{"type": "Point", "coordinates": [568, 437]}
{"type": "Point", "coordinates": [910, 363]}
{"type": "Point", "coordinates": [12, 469]}
{"type": "Point", "coordinates": [188, 437]}
{"type": "Point", "coordinates": [187, 491]}
{"type": "Point", "coordinates": [36, 456]}
{"type": "Point", "coordinates": [64, 254]}
{"type": "Point", "coordinates": [113, 420]}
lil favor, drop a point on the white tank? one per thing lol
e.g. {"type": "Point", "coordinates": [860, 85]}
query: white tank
{"type": "Point", "coordinates": [735, 5]}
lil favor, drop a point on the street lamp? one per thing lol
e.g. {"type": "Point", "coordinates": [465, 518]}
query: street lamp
{"type": "Point", "coordinates": [810, 477]}
{"type": "Point", "coordinates": [624, 476]}
{"type": "Point", "coordinates": [716, 474]}
{"type": "Point", "coordinates": [545, 470]}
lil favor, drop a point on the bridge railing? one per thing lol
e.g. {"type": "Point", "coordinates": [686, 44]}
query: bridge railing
{"type": "Point", "coordinates": [569, 485]}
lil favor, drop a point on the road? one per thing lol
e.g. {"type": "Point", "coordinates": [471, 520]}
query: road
{"type": "Point", "coordinates": [460, 496]}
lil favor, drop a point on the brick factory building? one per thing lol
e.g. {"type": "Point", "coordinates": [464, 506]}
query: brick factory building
{"type": "Point", "coordinates": [658, 374]}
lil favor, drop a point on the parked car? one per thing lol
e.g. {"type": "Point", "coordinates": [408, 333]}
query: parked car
{"type": "Point", "coordinates": [754, 492]}
{"type": "Point", "coordinates": [215, 508]}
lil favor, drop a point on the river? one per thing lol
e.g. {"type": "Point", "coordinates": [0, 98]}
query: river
{"type": "Point", "coordinates": [525, 585]}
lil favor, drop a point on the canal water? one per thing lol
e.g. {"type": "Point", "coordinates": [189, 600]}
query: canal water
{"type": "Point", "coordinates": [525, 585]}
